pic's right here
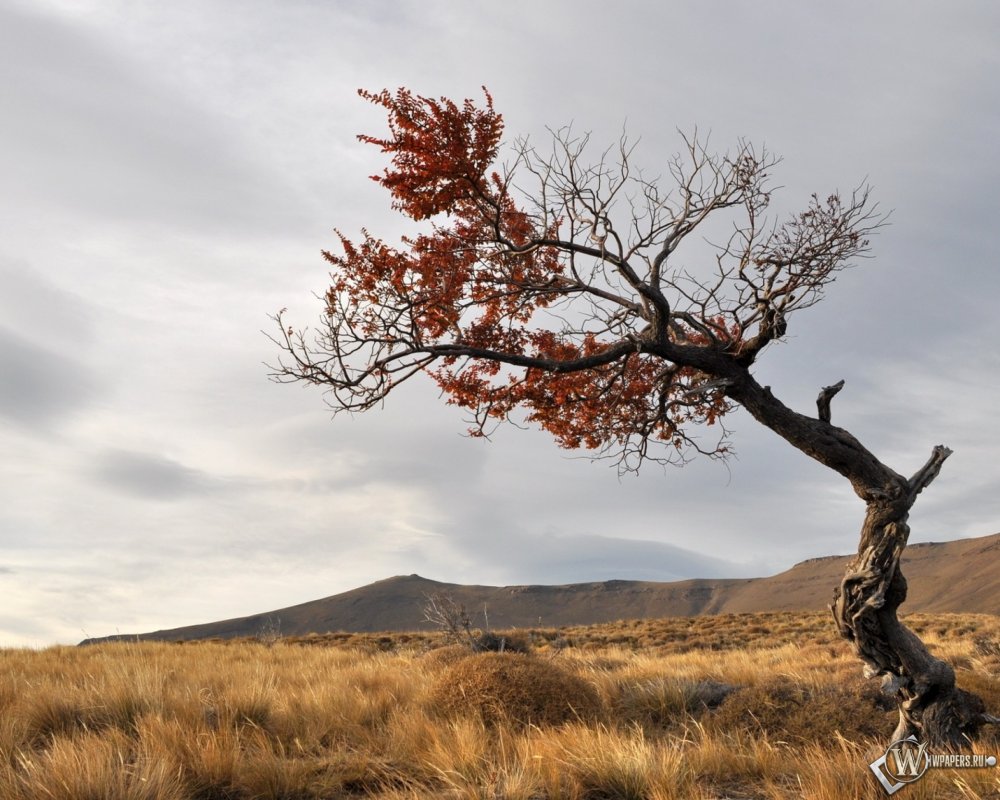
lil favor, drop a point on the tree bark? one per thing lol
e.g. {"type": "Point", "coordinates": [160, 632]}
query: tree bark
{"type": "Point", "coordinates": [931, 706]}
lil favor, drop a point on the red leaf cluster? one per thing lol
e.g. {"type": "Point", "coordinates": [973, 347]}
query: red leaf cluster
{"type": "Point", "coordinates": [466, 293]}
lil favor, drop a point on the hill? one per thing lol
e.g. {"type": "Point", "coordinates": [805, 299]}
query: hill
{"type": "Point", "coordinates": [961, 576]}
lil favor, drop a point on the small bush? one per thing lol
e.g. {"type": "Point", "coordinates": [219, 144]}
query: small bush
{"type": "Point", "coordinates": [511, 688]}
{"type": "Point", "coordinates": [987, 687]}
{"type": "Point", "coordinates": [665, 702]}
{"type": "Point", "coordinates": [793, 713]}
{"type": "Point", "coordinates": [444, 656]}
{"type": "Point", "coordinates": [51, 715]}
{"type": "Point", "coordinates": [986, 646]}
{"type": "Point", "coordinates": [494, 642]}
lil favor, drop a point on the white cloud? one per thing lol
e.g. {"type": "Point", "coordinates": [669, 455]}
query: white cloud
{"type": "Point", "coordinates": [172, 170]}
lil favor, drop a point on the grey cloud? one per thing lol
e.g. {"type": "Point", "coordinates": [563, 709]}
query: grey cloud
{"type": "Point", "coordinates": [31, 302]}
{"type": "Point", "coordinates": [91, 130]}
{"type": "Point", "coordinates": [705, 505]}
{"type": "Point", "coordinates": [966, 511]}
{"type": "Point", "coordinates": [578, 558]}
{"type": "Point", "coordinates": [39, 387]}
{"type": "Point", "coordinates": [415, 441]}
{"type": "Point", "coordinates": [28, 628]}
{"type": "Point", "coordinates": [558, 521]}
{"type": "Point", "coordinates": [440, 468]}
{"type": "Point", "coordinates": [151, 476]}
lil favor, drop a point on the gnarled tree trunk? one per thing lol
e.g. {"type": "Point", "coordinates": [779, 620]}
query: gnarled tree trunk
{"type": "Point", "coordinates": [931, 706]}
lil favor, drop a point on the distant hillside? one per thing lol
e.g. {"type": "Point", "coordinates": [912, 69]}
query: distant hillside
{"type": "Point", "coordinates": [961, 576]}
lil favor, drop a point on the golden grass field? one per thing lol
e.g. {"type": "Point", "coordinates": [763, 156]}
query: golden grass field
{"type": "Point", "coordinates": [390, 717]}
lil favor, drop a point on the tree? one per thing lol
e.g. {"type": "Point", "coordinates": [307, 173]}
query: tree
{"type": "Point", "coordinates": [562, 302]}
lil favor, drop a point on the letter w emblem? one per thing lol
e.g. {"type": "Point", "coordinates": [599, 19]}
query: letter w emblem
{"type": "Point", "coordinates": [910, 762]}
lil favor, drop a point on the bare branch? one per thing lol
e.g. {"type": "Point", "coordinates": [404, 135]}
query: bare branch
{"type": "Point", "coordinates": [929, 471]}
{"type": "Point", "coordinates": [825, 396]}
{"type": "Point", "coordinates": [447, 614]}
{"type": "Point", "coordinates": [708, 386]}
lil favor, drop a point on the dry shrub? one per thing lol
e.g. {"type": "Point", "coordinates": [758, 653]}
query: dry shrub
{"type": "Point", "coordinates": [488, 642]}
{"type": "Point", "coordinates": [607, 663]}
{"type": "Point", "coordinates": [986, 655]}
{"type": "Point", "coordinates": [666, 702]}
{"type": "Point", "coordinates": [50, 715]}
{"type": "Point", "coordinates": [511, 688]}
{"type": "Point", "coordinates": [986, 646]}
{"type": "Point", "coordinates": [502, 642]}
{"type": "Point", "coordinates": [987, 687]}
{"type": "Point", "coordinates": [444, 656]}
{"type": "Point", "coordinates": [786, 711]}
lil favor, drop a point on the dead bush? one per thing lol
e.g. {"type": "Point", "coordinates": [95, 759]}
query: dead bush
{"type": "Point", "coordinates": [511, 688]}
{"type": "Point", "coordinates": [789, 712]}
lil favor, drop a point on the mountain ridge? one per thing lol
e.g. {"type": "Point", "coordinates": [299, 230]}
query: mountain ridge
{"type": "Point", "coordinates": [962, 575]}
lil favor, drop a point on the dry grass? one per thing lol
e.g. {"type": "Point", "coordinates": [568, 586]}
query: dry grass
{"type": "Point", "coordinates": [763, 706]}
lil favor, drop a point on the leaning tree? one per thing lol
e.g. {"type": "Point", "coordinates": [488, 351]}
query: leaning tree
{"type": "Point", "coordinates": [547, 288]}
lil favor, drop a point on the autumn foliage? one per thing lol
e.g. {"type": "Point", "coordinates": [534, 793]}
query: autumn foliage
{"type": "Point", "coordinates": [477, 281]}
{"type": "Point", "coordinates": [547, 301]}
{"type": "Point", "coordinates": [494, 300]}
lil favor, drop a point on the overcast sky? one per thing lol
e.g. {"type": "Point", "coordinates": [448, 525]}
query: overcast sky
{"type": "Point", "coordinates": [171, 171]}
